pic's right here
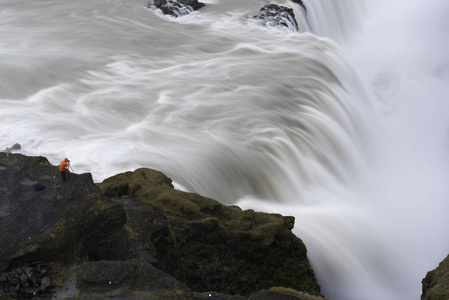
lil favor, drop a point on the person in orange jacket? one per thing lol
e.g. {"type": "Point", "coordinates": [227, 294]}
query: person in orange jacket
{"type": "Point", "coordinates": [64, 167]}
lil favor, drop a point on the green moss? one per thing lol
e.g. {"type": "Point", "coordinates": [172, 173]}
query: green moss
{"type": "Point", "coordinates": [293, 293]}
{"type": "Point", "coordinates": [156, 189]}
{"type": "Point", "coordinates": [159, 294]}
{"type": "Point", "coordinates": [148, 247]}
{"type": "Point", "coordinates": [436, 283]}
{"type": "Point", "coordinates": [97, 200]}
{"type": "Point", "coordinates": [237, 225]}
{"type": "Point", "coordinates": [61, 227]}
{"type": "Point", "coordinates": [60, 273]}
{"type": "Point", "coordinates": [207, 224]}
{"type": "Point", "coordinates": [213, 242]}
{"type": "Point", "coordinates": [132, 233]}
{"type": "Point", "coordinates": [176, 205]}
{"type": "Point", "coordinates": [171, 239]}
{"type": "Point", "coordinates": [150, 180]}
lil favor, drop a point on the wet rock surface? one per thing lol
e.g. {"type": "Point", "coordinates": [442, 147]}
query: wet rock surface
{"type": "Point", "coordinates": [134, 236]}
{"type": "Point", "coordinates": [13, 148]}
{"type": "Point", "coordinates": [278, 15]}
{"type": "Point", "coordinates": [176, 8]}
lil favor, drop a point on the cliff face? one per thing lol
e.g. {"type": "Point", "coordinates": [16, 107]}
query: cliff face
{"type": "Point", "coordinates": [135, 235]}
{"type": "Point", "coordinates": [436, 283]}
{"type": "Point", "coordinates": [43, 218]}
{"type": "Point", "coordinates": [210, 246]}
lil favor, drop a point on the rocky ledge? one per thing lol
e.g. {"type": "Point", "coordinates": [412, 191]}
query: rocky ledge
{"type": "Point", "coordinates": [435, 286]}
{"type": "Point", "coordinates": [134, 236]}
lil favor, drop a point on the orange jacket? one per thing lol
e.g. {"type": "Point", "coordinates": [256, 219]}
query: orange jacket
{"type": "Point", "coordinates": [64, 165]}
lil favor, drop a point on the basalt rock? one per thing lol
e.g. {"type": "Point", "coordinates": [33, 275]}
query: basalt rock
{"type": "Point", "coordinates": [177, 8]}
{"type": "Point", "coordinates": [300, 3]}
{"type": "Point", "coordinates": [15, 147]}
{"type": "Point", "coordinates": [435, 286]}
{"type": "Point", "coordinates": [210, 246]}
{"type": "Point", "coordinates": [280, 293]}
{"type": "Point", "coordinates": [278, 15]}
{"type": "Point", "coordinates": [123, 276]}
{"type": "Point", "coordinates": [45, 219]}
{"type": "Point", "coordinates": [135, 237]}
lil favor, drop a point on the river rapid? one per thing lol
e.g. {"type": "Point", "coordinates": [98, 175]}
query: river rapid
{"type": "Point", "coordinates": [342, 124]}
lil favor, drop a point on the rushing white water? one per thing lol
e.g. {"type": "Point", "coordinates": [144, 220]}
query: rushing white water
{"type": "Point", "coordinates": [351, 139]}
{"type": "Point", "coordinates": [404, 57]}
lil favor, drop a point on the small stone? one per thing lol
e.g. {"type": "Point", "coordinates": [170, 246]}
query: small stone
{"type": "Point", "coordinates": [45, 283]}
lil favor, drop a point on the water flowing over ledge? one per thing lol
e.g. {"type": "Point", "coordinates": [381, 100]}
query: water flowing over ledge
{"type": "Point", "coordinates": [260, 116]}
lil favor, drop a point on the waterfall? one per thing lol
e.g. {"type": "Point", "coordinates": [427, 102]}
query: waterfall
{"type": "Point", "coordinates": [400, 53]}
{"type": "Point", "coordinates": [320, 124]}
{"type": "Point", "coordinates": [337, 20]}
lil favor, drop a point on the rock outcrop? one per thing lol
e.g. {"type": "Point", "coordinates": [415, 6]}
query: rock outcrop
{"type": "Point", "coordinates": [276, 15]}
{"type": "Point", "coordinates": [13, 148]}
{"type": "Point", "coordinates": [176, 8]}
{"type": "Point", "coordinates": [435, 286]}
{"type": "Point", "coordinates": [44, 218]}
{"type": "Point", "coordinates": [207, 245]}
{"type": "Point", "coordinates": [279, 293]}
{"type": "Point", "coordinates": [135, 236]}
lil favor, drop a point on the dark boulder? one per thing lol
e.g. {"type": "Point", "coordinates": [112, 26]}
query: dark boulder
{"type": "Point", "coordinates": [59, 222]}
{"type": "Point", "coordinates": [276, 15]}
{"type": "Point", "coordinates": [435, 286]}
{"type": "Point", "coordinates": [15, 147]}
{"type": "Point", "coordinates": [177, 8]}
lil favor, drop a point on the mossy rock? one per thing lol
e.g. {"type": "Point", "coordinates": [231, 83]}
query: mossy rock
{"type": "Point", "coordinates": [436, 282]}
{"type": "Point", "coordinates": [281, 293]}
{"type": "Point", "coordinates": [138, 224]}
{"type": "Point", "coordinates": [210, 246]}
